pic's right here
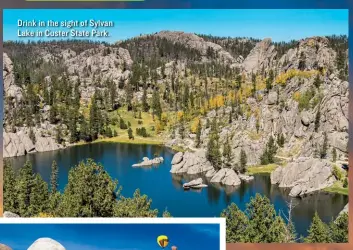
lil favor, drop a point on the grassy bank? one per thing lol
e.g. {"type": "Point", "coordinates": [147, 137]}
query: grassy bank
{"type": "Point", "coordinates": [261, 169]}
{"type": "Point", "coordinates": [125, 139]}
{"type": "Point", "coordinates": [145, 120]}
{"type": "Point", "coordinates": [337, 188]}
{"type": "Point", "coordinates": [137, 140]}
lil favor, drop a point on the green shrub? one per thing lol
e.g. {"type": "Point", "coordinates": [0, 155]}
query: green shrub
{"type": "Point", "coordinates": [345, 182]}
{"type": "Point", "coordinates": [337, 173]}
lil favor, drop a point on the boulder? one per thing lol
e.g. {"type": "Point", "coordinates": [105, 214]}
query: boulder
{"type": "Point", "coordinates": [304, 176]}
{"type": "Point", "coordinates": [272, 98]}
{"type": "Point", "coordinates": [193, 183]}
{"type": "Point", "coordinates": [19, 143]}
{"type": "Point", "coordinates": [10, 215]}
{"type": "Point", "coordinates": [44, 144]}
{"type": "Point", "coordinates": [4, 247]}
{"type": "Point", "coordinates": [210, 173]}
{"type": "Point", "coordinates": [344, 210]}
{"type": "Point", "coordinates": [245, 177]}
{"type": "Point", "coordinates": [262, 55]}
{"type": "Point", "coordinates": [178, 157]}
{"type": "Point", "coordinates": [146, 162]}
{"type": "Point", "coordinates": [46, 244]}
{"type": "Point", "coordinates": [276, 176]}
{"type": "Point", "coordinates": [191, 163]}
{"type": "Point", "coordinates": [227, 177]}
{"type": "Point", "coordinates": [306, 118]}
{"type": "Point", "coordinates": [11, 89]}
{"type": "Point", "coordinates": [197, 183]}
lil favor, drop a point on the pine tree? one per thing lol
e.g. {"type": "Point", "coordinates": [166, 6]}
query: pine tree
{"type": "Point", "coordinates": [268, 84]}
{"type": "Point", "coordinates": [208, 123]}
{"type": "Point", "coordinates": [257, 125]}
{"type": "Point", "coordinates": [53, 112]}
{"type": "Point", "coordinates": [253, 80]}
{"type": "Point", "coordinates": [280, 140]}
{"type": "Point", "coordinates": [317, 82]}
{"type": "Point", "coordinates": [90, 192]}
{"type": "Point", "coordinates": [277, 231]}
{"type": "Point", "coordinates": [72, 127]}
{"type": "Point", "coordinates": [58, 135]}
{"type": "Point", "coordinates": [302, 59]}
{"type": "Point", "coordinates": [94, 119]}
{"type": "Point", "coordinates": [230, 120]}
{"type": "Point", "coordinates": [227, 152]}
{"type": "Point", "coordinates": [238, 81]}
{"type": "Point", "coordinates": [166, 214]}
{"type": "Point", "coordinates": [182, 128]}
{"type": "Point", "coordinates": [138, 206]}
{"type": "Point", "coordinates": [145, 106]}
{"type": "Point", "coordinates": [156, 105]}
{"type": "Point", "coordinates": [84, 133]}
{"type": "Point", "coordinates": [130, 133]}
{"type": "Point", "coordinates": [109, 132]}
{"type": "Point", "coordinates": [291, 234]}
{"type": "Point", "coordinates": [39, 197]}
{"type": "Point", "coordinates": [129, 96]}
{"type": "Point", "coordinates": [323, 151]}
{"type": "Point", "coordinates": [334, 155]}
{"type": "Point", "coordinates": [318, 231]}
{"type": "Point", "coordinates": [24, 188]}
{"type": "Point", "coordinates": [237, 223]}
{"type": "Point", "coordinates": [10, 189]}
{"type": "Point", "coordinates": [213, 152]}
{"type": "Point", "coordinates": [270, 151]}
{"type": "Point", "coordinates": [243, 161]}
{"type": "Point", "coordinates": [341, 64]}
{"type": "Point", "coordinates": [317, 119]}
{"type": "Point", "coordinates": [339, 229]}
{"type": "Point", "coordinates": [32, 136]}
{"type": "Point", "coordinates": [264, 225]}
{"type": "Point", "coordinates": [198, 134]}
{"type": "Point", "coordinates": [54, 177]}
{"type": "Point", "coordinates": [271, 78]}
{"type": "Point", "coordinates": [163, 70]}
{"type": "Point", "coordinates": [186, 97]}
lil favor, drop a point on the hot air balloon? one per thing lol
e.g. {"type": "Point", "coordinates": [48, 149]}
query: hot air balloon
{"type": "Point", "coordinates": [162, 241]}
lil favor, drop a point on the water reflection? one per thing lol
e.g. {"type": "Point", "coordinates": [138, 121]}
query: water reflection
{"type": "Point", "coordinates": [166, 189]}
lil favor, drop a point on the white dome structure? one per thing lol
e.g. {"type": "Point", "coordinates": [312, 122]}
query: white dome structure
{"type": "Point", "coordinates": [46, 244]}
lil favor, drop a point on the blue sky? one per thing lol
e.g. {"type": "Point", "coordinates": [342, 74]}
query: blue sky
{"type": "Point", "coordinates": [280, 25]}
{"type": "Point", "coordinates": [113, 236]}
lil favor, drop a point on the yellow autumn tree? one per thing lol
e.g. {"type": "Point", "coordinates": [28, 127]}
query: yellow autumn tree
{"type": "Point", "coordinates": [180, 115]}
{"type": "Point", "coordinates": [159, 127]}
{"type": "Point", "coordinates": [217, 101]}
{"type": "Point", "coordinates": [194, 124]}
{"type": "Point", "coordinates": [284, 77]}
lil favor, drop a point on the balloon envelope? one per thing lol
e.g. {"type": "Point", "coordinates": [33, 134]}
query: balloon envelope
{"type": "Point", "coordinates": [162, 241]}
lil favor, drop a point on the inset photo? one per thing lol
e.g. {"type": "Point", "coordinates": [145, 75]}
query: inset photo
{"type": "Point", "coordinates": [113, 234]}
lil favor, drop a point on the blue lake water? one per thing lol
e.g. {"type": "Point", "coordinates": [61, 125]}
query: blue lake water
{"type": "Point", "coordinates": [166, 190]}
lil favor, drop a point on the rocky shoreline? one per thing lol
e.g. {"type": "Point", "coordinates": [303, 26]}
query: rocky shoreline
{"type": "Point", "coordinates": [303, 175]}
{"type": "Point", "coordinates": [193, 163]}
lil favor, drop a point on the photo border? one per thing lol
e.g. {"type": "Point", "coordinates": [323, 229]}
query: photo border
{"type": "Point", "coordinates": [118, 221]}
{"type": "Point", "coordinates": [285, 4]}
